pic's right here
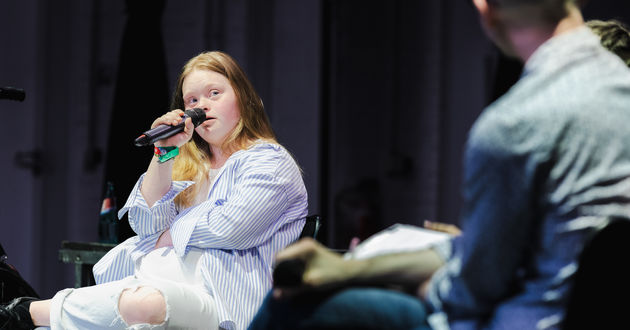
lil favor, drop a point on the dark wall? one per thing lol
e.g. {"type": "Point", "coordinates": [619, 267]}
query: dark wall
{"type": "Point", "coordinates": [373, 98]}
{"type": "Point", "coordinates": [385, 84]}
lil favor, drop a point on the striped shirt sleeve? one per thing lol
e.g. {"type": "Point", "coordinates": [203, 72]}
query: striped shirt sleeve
{"type": "Point", "coordinates": [248, 215]}
{"type": "Point", "coordinates": [146, 221]}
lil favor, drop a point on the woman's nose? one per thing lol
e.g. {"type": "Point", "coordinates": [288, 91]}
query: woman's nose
{"type": "Point", "coordinates": [203, 104]}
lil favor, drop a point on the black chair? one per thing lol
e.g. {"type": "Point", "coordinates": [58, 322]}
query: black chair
{"type": "Point", "coordinates": [289, 272]}
{"type": "Point", "coordinates": [599, 298]}
{"type": "Point", "coordinates": [12, 285]}
{"type": "Point", "coordinates": [311, 227]}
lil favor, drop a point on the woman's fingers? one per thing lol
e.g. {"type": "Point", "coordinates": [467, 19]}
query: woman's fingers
{"type": "Point", "coordinates": [189, 126]}
{"type": "Point", "coordinates": [172, 118]}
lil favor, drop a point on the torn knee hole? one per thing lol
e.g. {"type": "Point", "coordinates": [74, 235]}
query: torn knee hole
{"type": "Point", "coordinates": [142, 305]}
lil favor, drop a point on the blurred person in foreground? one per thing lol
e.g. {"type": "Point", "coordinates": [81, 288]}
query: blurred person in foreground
{"type": "Point", "coordinates": [545, 165]}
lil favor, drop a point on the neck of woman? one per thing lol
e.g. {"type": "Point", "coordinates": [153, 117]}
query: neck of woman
{"type": "Point", "coordinates": [218, 158]}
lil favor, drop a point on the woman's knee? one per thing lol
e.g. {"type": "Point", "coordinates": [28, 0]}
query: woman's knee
{"type": "Point", "coordinates": [142, 305]}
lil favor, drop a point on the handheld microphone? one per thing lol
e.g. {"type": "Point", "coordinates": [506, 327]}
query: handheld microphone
{"type": "Point", "coordinates": [163, 131]}
{"type": "Point", "coordinates": [12, 93]}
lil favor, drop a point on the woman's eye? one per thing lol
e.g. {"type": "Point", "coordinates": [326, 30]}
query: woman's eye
{"type": "Point", "coordinates": [192, 100]}
{"type": "Point", "coordinates": [214, 92]}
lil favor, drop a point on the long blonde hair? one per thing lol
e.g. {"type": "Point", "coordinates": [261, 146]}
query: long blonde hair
{"type": "Point", "coordinates": [252, 125]}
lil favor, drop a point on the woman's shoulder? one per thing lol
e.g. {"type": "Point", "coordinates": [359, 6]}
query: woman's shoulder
{"type": "Point", "coordinates": [267, 159]}
{"type": "Point", "coordinates": [264, 145]}
{"type": "Point", "coordinates": [262, 152]}
{"type": "Point", "coordinates": [262, 148]}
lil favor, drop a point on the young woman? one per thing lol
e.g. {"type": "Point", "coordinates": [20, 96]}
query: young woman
{"type": "Point", "coordinates": [215, 205]}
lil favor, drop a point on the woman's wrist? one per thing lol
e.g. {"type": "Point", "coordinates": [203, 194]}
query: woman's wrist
{"type": "Point", "coordinates": [165, 154]}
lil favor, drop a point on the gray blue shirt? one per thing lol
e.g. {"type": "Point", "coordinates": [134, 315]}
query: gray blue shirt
{"type": "Point", "coordinates": [544, 165]}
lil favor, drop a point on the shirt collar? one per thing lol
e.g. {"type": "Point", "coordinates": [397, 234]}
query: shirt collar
{"type": "Point", "coordinates": [561, 49]}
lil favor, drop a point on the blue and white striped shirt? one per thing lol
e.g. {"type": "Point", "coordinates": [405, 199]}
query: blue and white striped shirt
{"type": "Point", "coordinates": [251, 213]}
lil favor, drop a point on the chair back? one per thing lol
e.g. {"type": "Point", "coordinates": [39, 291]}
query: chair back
{"type": "Point", "coordinates": [598, 299]}
{"type": "Point", "coordinates": [311, 227]}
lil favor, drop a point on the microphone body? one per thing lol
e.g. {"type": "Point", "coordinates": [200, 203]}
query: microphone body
{"type": "Point", "coordinates": [12, 93]}
{"type": "Point", "coordinates": [160, 132]}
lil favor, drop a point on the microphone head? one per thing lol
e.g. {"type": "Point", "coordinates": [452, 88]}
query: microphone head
{"type": "Point", "coordinates": [197, 115]}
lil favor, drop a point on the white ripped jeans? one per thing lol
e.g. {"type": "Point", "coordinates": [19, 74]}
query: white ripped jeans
{"type": "Point", "coordinates": [188, 305]}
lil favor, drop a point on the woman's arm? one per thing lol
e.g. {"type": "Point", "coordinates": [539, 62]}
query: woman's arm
{"type": "Point", "coordinates": [150, 203]}
{"type": "Point", "coordinates": [146, 221]}
{"type": "Point", "coordinates": [157, 181]}
{"type": "Point", "coordinates": [266, 185]}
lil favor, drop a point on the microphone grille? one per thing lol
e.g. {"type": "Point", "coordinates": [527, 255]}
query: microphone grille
{"type": "Point", "coordinates": [197, 115]}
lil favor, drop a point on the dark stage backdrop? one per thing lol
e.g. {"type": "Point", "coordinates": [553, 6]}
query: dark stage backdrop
{"type": "Point", "coordinates": [373, 98]}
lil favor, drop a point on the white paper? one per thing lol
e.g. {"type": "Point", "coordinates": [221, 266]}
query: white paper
{"type": "Point", "coordinates": [395, 239]}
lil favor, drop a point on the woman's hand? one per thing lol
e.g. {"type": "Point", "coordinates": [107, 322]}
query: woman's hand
{"type": "Point", "coordinates": [157, 181]}
{"type": "Point", "coordinates": [164, 240]}
{"type": "Point", "coordinates": [173, 118]}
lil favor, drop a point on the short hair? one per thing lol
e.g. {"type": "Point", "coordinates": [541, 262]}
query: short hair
{"type": "Point", "coordinates": [614, 36]}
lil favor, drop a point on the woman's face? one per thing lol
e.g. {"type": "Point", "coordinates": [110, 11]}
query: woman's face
{"type": "Point", "coordinates": [212, 92]}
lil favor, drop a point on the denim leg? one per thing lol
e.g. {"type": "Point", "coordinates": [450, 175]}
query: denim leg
{"type": "Point", "coordinates": [355, 308]}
